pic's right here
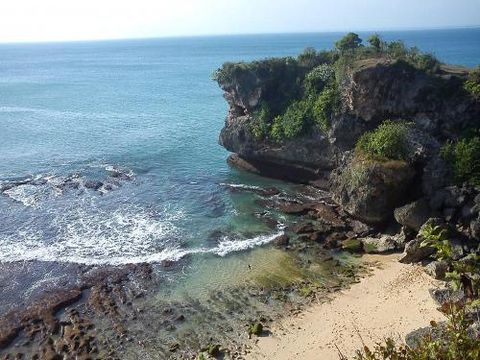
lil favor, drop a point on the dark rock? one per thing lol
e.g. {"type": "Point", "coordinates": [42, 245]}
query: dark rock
{"type": "Point", "coordinates": [446, 295]}
{"type": "Point", "coordinates": [371, 190]}
{"type": "Point", "coordinates": [413, 215]}
{"type": "Point", "coordinates": [414, 252]}
{"type": "Point", "coordinates": [282, 240]}
{"type": "Point", "coordinates": [295, 208]}
{"type": "Point", "coordinates": [437, 269]}
{"type": "Point", "coordinates": [93, 184]}
{"type": "Point", "coordinates": [475, 228]}
{"type": "Point", "coordinates": [449, 213]}
{"type": "Point", "coordinates": [303, 228]}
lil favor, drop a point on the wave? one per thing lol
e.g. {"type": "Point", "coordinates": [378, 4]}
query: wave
{"type": "Point", "coordinates": [90, 236]}
{"type": "Point", "coordinates": [31, 190]}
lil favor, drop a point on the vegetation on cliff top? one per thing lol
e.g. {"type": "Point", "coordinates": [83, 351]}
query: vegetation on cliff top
{"type": "Point", "coordinates": [302, 94]}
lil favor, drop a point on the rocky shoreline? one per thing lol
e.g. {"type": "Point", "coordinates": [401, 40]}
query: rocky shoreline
{"type": "Point", "coordinates": [389, 132]}
{"type": "Point", "coordinates": [354, 198]}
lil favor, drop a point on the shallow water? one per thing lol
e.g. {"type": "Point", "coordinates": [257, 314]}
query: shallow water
{"type": "Point", "coordinates": [109, 154]}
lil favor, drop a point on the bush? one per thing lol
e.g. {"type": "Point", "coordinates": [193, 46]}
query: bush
{"type": "Point", "coordinates": [386, 142]}
{"type": "Point", "coordinates": [464, 158]}
{"type": "Point", "coordinates": [349, 42]}
{"type": "Point", "coordinates": [325, 106]}
{"type": "Point", "coordinates": [472, 84]}
{"type": "Point", "coordinates": [318, 78]}
{"type": "Point", "coordinates": [261, 123]}
{"type": "Point", "coordinates": [296, 120]}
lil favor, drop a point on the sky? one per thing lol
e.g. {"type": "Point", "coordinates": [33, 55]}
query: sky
{"type": "Point", "coordinates": [65, 20]}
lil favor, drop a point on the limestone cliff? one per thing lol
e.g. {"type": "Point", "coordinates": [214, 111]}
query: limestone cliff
{"type": "Point", "coordinates": [373, 90]}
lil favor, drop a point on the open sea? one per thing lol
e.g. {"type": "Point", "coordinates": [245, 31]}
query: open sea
{"type": "Point", "coordinates": [109, 153]}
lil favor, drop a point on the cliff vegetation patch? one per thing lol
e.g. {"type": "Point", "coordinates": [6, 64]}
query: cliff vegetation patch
{"type": "Point", "coordinates": [302, 95]}
{"type": "Point", "coordinates": [387, 142]}
{"type": "Point", "coordinates": [464, 158]}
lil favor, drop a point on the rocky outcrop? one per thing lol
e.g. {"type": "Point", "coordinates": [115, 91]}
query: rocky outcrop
{"type": "Point", "coordinates": [371, 190]}
{"type": "Point", "coordinates": [375, 90]}
{"type": "Point", "coordinates": [413, 215]}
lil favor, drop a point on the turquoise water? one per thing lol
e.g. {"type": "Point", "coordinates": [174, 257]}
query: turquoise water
{"type": "Point", "coordinates": [109, 154]}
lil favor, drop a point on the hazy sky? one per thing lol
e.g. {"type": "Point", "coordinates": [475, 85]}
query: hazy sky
{"type": "Point", "coordinates": [47, 20]}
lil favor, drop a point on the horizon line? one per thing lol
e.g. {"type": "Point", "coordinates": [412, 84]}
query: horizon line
{"type": "Point", "coordinates": [20, 42]}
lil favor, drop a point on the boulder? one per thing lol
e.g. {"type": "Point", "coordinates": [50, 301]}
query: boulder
{"type": "Point", "coordinates": [379, 245]}
{"type": "Point", "coordinates": [370, 190]}
{"type": "Point", "coordinates": [414, 252]}
{"type": "Point", "coordinates": [437, 269]}
{"type": "Point", "coordinates": [413, 215]}
{"type": "Point", "coordinates": [445, 295]}
{"type": "Point", "coordinates": [281, 240]}
{"type": "Point", "coordinates": [352, 245]}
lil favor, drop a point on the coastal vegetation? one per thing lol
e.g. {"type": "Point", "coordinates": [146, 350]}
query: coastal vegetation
{"type": "Point", "coordinates": [464, 158]}
{"type": "Point", "coordinates": [387, 142]}
{"type": "Point", "coordinates": [472, 84]}
{"type": "Point", "coordinates": [308, 94]}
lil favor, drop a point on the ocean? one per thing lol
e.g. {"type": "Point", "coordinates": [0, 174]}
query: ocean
{"type": "Point", "coordinates": [109, 150]}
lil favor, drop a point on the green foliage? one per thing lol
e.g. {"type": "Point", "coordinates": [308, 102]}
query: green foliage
{"type": "Point", "coordinates": [318, 78]}
{"type": "Point", "coordinates": [296, 119]}
{"type": "Point", "coordinates": [465, 274]}
{"type": "Point", "coordinates": [472, 84]}
{"type": "Point", "coordinates": [436, 237]}
{"type": "Point", "coordinates": [325, 106]}
{"type": "Point", "coordinates": [255, 329]}
{"type": "Point", "coordinates": [349, 42]}
{"type": "Point", "coordinates": [464, 158]}
{"type": "Point", "coordinates": [387, 142]}
{"type": "Point", "coordinates": [451, 343]}
{"type": "Point", "coordinates": [302, 115]}
{"type": "Point", "coordinates": [376, 42]}
{"type": "Point", "coordinates": [261, 124]}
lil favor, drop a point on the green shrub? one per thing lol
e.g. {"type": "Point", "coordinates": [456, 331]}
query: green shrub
{"type": "Point", "coordinates": [325, 106]}
{"type": "Point", "coordinates": [387, 142]}
{"type": "Point", "coordinates": [318, 78]}
{"type": "Point", "coordinates": [348, 43]}
{"type": "Point", "coordinates": [376, 42]}
{"type": "Point", "coordinates": [296, 119]}
{"type": "Point", "coordinates": [472, 84]}
{"type": "Point", "coordinates": [464, 158]}
{"type": "Point", "coordinates": [261, 123]}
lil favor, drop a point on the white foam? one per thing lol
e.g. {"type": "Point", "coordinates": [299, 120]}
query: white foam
{"type": "Point", "coordinates": [241, 186]}
{"type": "Point", "coordinates": [25, 194]}
{"type": "Point", "coordinates": [123, 237]}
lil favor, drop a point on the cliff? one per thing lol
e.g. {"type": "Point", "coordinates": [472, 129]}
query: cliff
{"type": "Point", "coordinates": [301, 118]}
{"type": "Point", "coordinates": [374, 90]}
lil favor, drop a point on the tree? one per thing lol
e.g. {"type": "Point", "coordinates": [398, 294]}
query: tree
{"type": "Point", "coordinates": [375, 41]}
{"type": "Point", "coordinates": [349, 42]}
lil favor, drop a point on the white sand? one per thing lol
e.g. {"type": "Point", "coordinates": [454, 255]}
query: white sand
{"type": "Point", "coordinates": [391, 302]}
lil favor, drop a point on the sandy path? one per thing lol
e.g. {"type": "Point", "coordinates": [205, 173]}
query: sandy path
{"type": "Point", "coordinates": [391, 302]}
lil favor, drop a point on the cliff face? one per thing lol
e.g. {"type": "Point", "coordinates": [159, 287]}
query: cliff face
{"type": "Point", "coordinates": [375, 90]}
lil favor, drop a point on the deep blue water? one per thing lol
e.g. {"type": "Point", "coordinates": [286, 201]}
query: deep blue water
{"type": "Point", "coordinates": [140, 117]}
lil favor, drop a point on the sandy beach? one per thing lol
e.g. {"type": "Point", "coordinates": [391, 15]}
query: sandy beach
{"type": "Point", "coordinates": [393, 301]}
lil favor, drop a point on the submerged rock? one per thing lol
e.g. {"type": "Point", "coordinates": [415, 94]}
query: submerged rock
{"type": "Point", "coordinates": [282, 240]}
